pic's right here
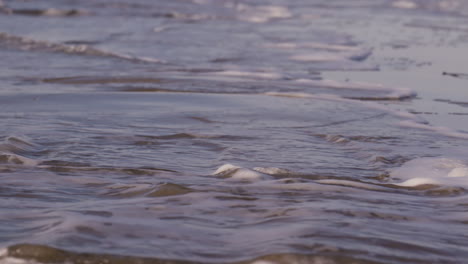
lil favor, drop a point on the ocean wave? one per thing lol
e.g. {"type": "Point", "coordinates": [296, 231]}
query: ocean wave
{"type": "Point", "coordinates": [42, 254]}
{"type": "Point", "coordinates": [392, 93]}
{"type": "Point", "coordinates": [359, 55]}
{"type": "Point", "coordinates": [15, 150]}
{"type": "Point", "coordinates": [440, 171]}
{"type": "Point", "coordinates": [268, 176]}
{"type": "Point", "coordinates": [28, 44]}
{"type": "Point", "coordinates": [445, 131]}
{"type": "Point", "coordinates": [8, 158]}
{"type": "Point", "coordinates": [20, 145]}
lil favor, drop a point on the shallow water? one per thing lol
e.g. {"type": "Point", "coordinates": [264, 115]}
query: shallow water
{"type": "Point", "coordinates": [205, 131]}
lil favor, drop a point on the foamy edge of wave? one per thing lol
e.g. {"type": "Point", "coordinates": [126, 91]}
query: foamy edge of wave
{"type": "Point", "coordinates": [6, 259]}
{"type": "Point", "coordinates": [432, 171]}
{"type": "Point", "coordinates": [264, 176]}
{"type": "Point", "coordinates": [239, 173]}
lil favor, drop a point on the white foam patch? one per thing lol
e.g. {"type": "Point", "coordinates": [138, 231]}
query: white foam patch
{"type": "Point", "coordinates": [246, 174]}
{"type": "Point", "coordinates": [445, 131]}
{"type": "Point", "coordinates": [260, 14]}
{"type": "Point", "coordinates": [224, 168]}
{"type": "Point", "coordinates": [10, 260]}
{"type": "Point", "coordinates": [262, 75]}
{"type": "Point", "coordinates": [434, 171]}
{"type": "Point", "coordinates": [238, 173]}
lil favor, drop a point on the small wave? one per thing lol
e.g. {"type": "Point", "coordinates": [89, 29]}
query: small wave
{"type": "Point", "coordinates": [258, 173]}
{"type": "Point", "coordinates": [14, 151]}
{"type": "Point", "coordinates": [267, 176]}
{"type": "Point", "coordinates": [432, 171]}
{"type": "Point", "coordinates": [337, 139]}
{"type": "Point", "coordinates": [62, 166]}
{"type": "Point", "coordinates": [238, 173]}
{"type": "Point", "coordinates": [33, 253]}
{"type": "Point", "coordinates": [146, 190]}
{"type": "Point", "coordinates": [392, 93]}
{"type": "Point", "coordinates": [445, 131]}
{"type": "Point", "coordinates": [354, 184]}
{"type": "Point", "coordinates": [101, 80]}
{"type": "Point", "coordinates": [23, 43]}
{"type": "Point", "coordinates": [359, 55]}
{"type": "Point", "coordinates": [277, 172]}
{"type": "Point", "coordinates": [372, 105]}
{"type": "Point", "coordinates": [9, 158]}
{"type": "Point", "coordinates": [19, 145]}
{"type": "Point", "coordinates": [192, 136]}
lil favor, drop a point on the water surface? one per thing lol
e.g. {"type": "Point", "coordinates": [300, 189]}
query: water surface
{"type": "Point", "coordinates": [205, 131]}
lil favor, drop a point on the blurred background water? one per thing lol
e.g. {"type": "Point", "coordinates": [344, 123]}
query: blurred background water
{"type": "Point", "coordinates": [233, 131]}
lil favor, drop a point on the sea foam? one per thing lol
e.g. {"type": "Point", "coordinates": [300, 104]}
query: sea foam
{"type": "Point", "coordinates": [432, 171]}
{"type": "Point", "coordinates": [239, 173]}
{"type": "Point", "coordinates": [5, 259]}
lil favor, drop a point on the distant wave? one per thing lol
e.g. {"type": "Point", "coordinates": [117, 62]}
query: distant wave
{"type": "Point", "coordinates": [28, 44]}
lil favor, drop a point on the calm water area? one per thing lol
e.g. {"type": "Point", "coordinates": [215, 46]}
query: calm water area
{"type": "Point", "coordinates": [233, 131]}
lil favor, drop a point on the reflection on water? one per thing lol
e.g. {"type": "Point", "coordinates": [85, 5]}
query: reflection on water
{"type": "Point", "coordinates": [233, 132]}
